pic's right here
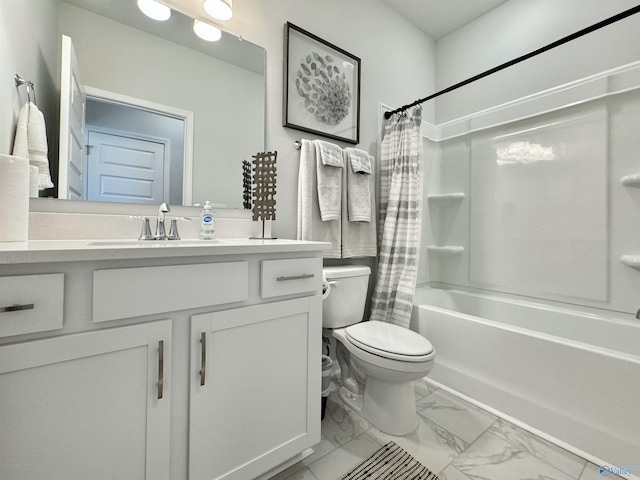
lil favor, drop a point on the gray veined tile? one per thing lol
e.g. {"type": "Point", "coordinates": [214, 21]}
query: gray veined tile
{"type": "Point", "coordinates": [430, 444]}
{"type": "Point", "coordinates": [343, 459]}
{"type": "Point", "coordinates": [464, 420]}
{"type": "Point", "coordinates": [543, 450]}
{"type": "Point", "coordinates": [592, 472]}
{"type": "Point", "coordinates": [319, 450]}
{"type": "Point", "coordinates": [304, 474]}
{"type": "Point", "coordinates": [341, 424]}
{"type": "Point", "coordinates": [422, 389]}
{"type": "Point", "coordinates": [490, 457]}
{"type": "Point", "coordinates": [452, 473]}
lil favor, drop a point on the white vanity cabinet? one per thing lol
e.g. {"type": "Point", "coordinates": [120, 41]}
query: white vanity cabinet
{"type": "Point", "coordinates": [254, 399]}
{"type": "Point", "coordinates": [88, 405]}
{"type": "Point", "coordinates": [159, 364]}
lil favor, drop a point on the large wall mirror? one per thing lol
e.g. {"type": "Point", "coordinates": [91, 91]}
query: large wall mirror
{"type": "Point", "coordinates": [168, 116]}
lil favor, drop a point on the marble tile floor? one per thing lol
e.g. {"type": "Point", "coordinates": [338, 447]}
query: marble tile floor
{"type": "Point", "coordinates": [454, 439]}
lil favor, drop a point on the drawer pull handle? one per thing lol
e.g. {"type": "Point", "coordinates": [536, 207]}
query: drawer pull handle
{"type": "Point", "coordinates": [304, 276]}
{"type": "Point", "coordinates": [17, 308]}
{"type": "Point", "coordinates": [203, 361]}
{"type": "Point", "coordinates": [160, 369]}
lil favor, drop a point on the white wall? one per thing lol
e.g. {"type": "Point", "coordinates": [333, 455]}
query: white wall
{"type": "Point", "coordinates": [33, 58]}
{"type": "Point", "coordinates": [518, 27]}
{"type": "Point", "coordinates": [397, 68]}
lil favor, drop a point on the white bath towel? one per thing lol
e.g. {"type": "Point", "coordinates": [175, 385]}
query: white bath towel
{"type": "Point", "coordinates": [359, 239]}
{"type": "Point", "coordinates": [31, 142]}
{"type": "Point", "coordinates": [329, 175]}
{"type": "Point", "coordinates": [358, 184]}
{"type": "Point", "coordinates": [310, 224]}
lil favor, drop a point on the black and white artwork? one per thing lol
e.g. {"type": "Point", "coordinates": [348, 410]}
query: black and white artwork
{"type": "Point", "coordinates": [321, 87]}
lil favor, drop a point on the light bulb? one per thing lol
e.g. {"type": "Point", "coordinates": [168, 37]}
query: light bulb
{"type": "Point", "coordinates": [206, 32]}
{"type": "Point", "coordinates": [219, 9]}
{"type": "Point", "coordinates": [155, 10]}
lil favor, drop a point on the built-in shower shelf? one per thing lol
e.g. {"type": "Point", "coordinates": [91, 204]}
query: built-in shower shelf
{"type": "Point", "coordinates": [632, 261]}
{"type": "Point", "coordinates": [445, 198]}
{"type": "Point", "coordinates": [631, 180]}
{"type": "Point", "coordinates": [445, 249]}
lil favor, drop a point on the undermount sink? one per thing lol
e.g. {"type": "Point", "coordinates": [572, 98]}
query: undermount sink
{"type": "Point", "coordinates": [149, 243]}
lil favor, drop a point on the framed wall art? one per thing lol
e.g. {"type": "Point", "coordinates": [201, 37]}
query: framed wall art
{"type": "Point", "coordinates": [321, 87]}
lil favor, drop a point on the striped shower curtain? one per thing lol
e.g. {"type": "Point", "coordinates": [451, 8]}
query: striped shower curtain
{"type": "Point", "coordinates": [399, 220]}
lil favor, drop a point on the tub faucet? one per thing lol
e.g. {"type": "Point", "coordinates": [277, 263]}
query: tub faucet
{"type": "Point", "coordinates": [638, 314]}
{"type": "Point", "coordinates": [161, 233]}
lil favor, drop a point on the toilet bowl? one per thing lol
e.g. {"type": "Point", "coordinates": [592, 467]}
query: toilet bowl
{"type": "Point", "coordinates": [378, 361]}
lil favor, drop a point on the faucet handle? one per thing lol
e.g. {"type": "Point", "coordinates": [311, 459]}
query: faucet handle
{"type": "Point", "coordinates": [173, 230]}
{"type": "Point", "coordinates": [145, 233]}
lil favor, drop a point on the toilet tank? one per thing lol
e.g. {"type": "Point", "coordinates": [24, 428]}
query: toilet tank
{"type": "Point", "coordinates": [345, 304]}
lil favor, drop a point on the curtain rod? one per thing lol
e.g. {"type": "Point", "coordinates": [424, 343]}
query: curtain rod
{"type": "Point", "coordinates": [557, 43]}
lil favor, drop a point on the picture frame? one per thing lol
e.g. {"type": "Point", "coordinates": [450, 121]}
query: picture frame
{"type": "Point", "coordinates": [321, 87]}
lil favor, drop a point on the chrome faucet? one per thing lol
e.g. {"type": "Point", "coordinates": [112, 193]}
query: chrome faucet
{"type": "Point", "coordinates": [161, 233]}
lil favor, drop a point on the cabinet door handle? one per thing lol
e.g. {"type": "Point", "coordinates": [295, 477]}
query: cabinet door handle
{"type": "Point", "coordinates": [17, 308]}
{"type": "Point", "coordinates": [203, 360]}
{"type": "Point", "coordinates": [160, 369]}
{"type": "Point", "coordinates": [296, 277]}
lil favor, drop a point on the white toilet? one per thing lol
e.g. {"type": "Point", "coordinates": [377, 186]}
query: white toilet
{"type": "Point", "coordinates": [378, 361]}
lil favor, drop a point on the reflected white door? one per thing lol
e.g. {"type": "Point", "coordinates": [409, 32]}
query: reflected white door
{"type": "Point", "coordinates": [123, 168]}
{"type": "Point", "coordinates": [72, 114]}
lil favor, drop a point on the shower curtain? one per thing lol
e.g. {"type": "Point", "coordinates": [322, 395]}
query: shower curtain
{"type": "Point", "coordinates": [399, 219]}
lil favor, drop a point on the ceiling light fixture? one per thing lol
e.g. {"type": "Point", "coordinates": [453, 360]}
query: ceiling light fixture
{"type": "Point", "coordinates": [155, 10]}
{"type": "Point", "coordinates": [219, 9]}
{"type": "Point", "coordinates": [206, 31]}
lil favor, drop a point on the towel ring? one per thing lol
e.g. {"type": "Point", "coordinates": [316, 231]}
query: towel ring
{"type": "Point", "coordinates": [30, 87]}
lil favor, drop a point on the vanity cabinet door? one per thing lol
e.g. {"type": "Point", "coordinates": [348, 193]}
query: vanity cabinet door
{"type": "Point", "coordinates": [87, 406]}
{"type": "Point", "coordinates": [255, 392]}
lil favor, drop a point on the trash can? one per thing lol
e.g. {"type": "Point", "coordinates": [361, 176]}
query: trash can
{"type": "Point", "coordinates": [327, 366]}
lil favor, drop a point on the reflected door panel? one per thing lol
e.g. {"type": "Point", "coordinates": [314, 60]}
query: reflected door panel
{"type": "Point", "coordinates": [126, 169]}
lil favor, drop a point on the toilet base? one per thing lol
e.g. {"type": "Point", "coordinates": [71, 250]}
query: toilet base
{"type": "Point", "coordinates": [390, 407]}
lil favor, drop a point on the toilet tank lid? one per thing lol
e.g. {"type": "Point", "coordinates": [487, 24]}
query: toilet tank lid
{"type": "Point", "coordinates": [346, 271]}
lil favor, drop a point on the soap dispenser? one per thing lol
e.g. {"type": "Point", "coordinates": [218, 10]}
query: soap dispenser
{"type": "Point", "coordinates": [207, 222]}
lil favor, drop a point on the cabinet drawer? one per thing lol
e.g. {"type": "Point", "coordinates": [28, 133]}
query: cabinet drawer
{"type": "Point", "coordinates": [31, 303]}
{"type": "Point", "coordinates": [133, 292]}
{"type": "Point", "coordinates": [289, 277]}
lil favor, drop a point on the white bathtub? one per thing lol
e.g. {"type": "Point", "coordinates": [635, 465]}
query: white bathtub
{"type": "Point", "coordinates": [573, 376]}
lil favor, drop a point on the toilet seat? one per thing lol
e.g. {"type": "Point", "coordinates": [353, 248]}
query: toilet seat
{"type": "Point", "coordinates": [389, 341]}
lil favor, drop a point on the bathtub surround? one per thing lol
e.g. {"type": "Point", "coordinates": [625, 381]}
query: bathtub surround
{"type": "Point", "coordinates": [567, 373]}
{"type": "Point", "coordinates": [400, 221]}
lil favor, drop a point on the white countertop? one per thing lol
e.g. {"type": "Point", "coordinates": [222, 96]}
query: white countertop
{"type": "Point", "coordinates": [38, 251]}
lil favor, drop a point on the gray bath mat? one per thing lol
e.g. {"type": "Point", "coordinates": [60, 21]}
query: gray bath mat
{"type": "Point", "coordinates": [390, 463]}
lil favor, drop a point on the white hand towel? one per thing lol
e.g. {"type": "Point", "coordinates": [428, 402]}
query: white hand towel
{"type": "Point", "coordinates": [358, 185]}
{"type": "Point", "coordinates": [310, 225]}
{"type": "Point", "coordinates": [31, 142]}
{"type": "Point", "coordinates": [34, 177]}
{"type": "Point", "coordinates": [329, 182]}
{"type": "Point", "coordinates": [330, 153]}
{"type": "Point", "coordinates": [359, 239]}
{"type": "Point", "coordinates": [360, 160]}
{"type": "Point", "coordinates": [14, 199]}
{"type": "Point", "coordinates": [20, 145]}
